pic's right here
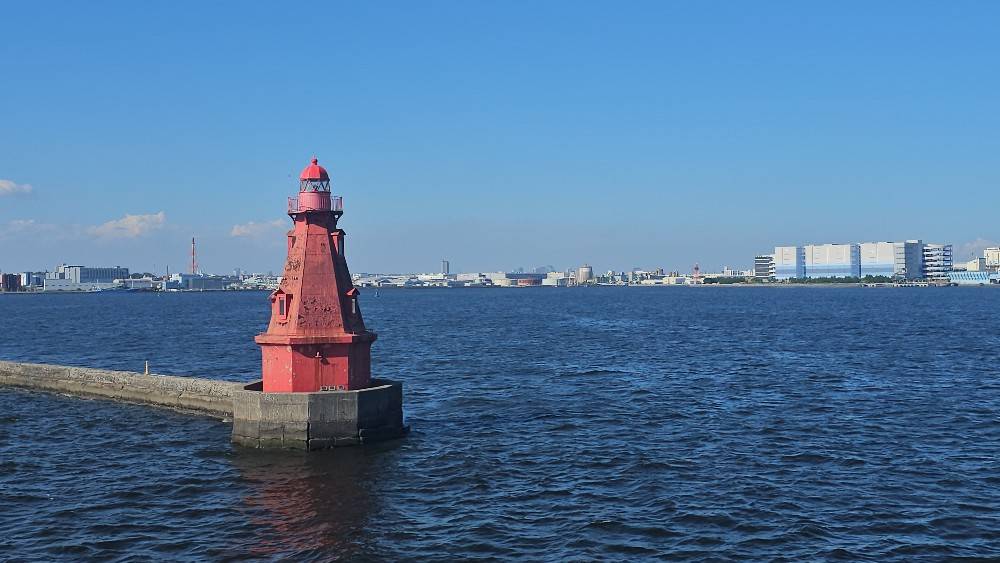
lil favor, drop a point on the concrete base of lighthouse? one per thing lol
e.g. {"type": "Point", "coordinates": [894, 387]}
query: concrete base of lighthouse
{"type": "Point", "coordinates": [318, 420]}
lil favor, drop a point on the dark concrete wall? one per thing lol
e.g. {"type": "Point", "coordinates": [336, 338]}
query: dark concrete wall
{"type": "Point", "coordinates": [318, 420]}
{"type": "Point", "coordinates": [381, 409]}
{"type": "Point", "coordinates": [208, 396]}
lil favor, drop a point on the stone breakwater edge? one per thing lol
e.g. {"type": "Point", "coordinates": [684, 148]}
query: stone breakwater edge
{"type": "Point", "coordinates": [210, 397]}
{"type": "Point", "coordinates": [304, 421]}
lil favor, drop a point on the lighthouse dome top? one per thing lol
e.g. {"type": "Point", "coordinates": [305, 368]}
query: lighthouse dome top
{"type": "Point", "coordinates": [314, 172]}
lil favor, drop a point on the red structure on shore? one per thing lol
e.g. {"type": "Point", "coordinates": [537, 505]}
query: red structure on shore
{"type": "Point", "coordinates": [317, 340]}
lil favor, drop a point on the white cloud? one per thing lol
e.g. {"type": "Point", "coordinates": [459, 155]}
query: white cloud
{"type": "Point", "coordinates": [129, 226]}
{"type": "Point", "coordinates": [20, 225]}
{"type": "Point", "coordinates": [9, 187]}
{"type": "Point", "coordinates": [31, 227]}
{"type": "Point", "coordinates": [254, 229]}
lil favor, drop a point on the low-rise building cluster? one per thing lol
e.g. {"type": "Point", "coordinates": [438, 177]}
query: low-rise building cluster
{"type": "Point", "coordinates": [476, 279]}
{"type": "Point", "coordinates": [984, 270]}
{"type": "Point", "coordinates": [66, 278]}
{"type": "Point", "coordinates": [581, 276]}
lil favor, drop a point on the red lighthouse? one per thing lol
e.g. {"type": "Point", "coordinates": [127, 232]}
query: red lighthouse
{"type": "Point", "coordinates": [316, 340]}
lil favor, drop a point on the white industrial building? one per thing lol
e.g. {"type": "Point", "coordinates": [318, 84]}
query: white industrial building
{"type": "Point", "coordinates": [974, 265]}
{"type": "Point", "coordinates": [85, 275]}
{"type": "Point", "coordinates": [70, 285]}
{"type": "Point", "coordinates": [892, 259]}
{"type": "Point", "coordinates": [817, 261]}
{"type": "Point", "coordinates": [556, 279]}
{"type": "Point", "coordinates": [911, 259]}
{"type": "Point", "coordinates": [833, 261]}
{"type": "Point", "coordinates": [789, 262]}
{"type": "Point", "coordinates": [82, 278]}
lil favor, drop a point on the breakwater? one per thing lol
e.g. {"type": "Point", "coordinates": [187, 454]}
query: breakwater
{"type": "Point", "coordinates": [304, 421]}
{"type": "Point", "coordinates": [205, 396]}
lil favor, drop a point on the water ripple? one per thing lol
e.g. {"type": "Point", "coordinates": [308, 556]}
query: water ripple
{"type": "Point", "coordinates": [644, 424]}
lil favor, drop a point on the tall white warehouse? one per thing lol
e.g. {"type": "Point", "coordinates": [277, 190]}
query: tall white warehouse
{"type": "Point", "coordinates": [789, 262]}
{"type": "Point", "coordinates": [892, 259]}
{"type": "Point", "coordinates": [833, 261]}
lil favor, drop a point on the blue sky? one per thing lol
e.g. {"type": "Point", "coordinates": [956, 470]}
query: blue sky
{"type": "Point", "coordinates": [495, 134]}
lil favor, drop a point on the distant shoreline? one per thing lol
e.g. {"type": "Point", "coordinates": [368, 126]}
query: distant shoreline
{"type": "Point", "coordinates": [433, 288]}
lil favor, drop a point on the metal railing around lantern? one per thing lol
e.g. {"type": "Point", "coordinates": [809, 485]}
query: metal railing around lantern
{"type": "Point", "coordinates": [336, 204]}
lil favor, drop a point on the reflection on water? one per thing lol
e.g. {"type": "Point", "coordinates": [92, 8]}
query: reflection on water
{"type": "Point", "coordinates": [314, 505]}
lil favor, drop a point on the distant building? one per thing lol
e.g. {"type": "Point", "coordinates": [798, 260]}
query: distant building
{"type": "Point", "coordinates": [437, 280]}
{"type": "Point", "coordinates": [83, 275]}
{"type": "Point", "coordinates": [878, 259]}
{"type": "Point", "coordinates": [833, 261]}
{"type": "Point", "coordinates": [892, 259]}
{"type": "Point", "coordinates": [261, 281]}
{"type": "Point", "coordinates": [992, 256]}
{"type": "Point", "coordinates": [211, 283]}
{"type": "Point", "coordinates": [937, 261]}
{"type": "Point", "coordinates": [666, 280]}
{"type": "Point", "coordinates": [911, 259]}
{"type": "Point", "coordinates": [141, 284]}
{"type": "Point", "coordinates": [789, 262]}
{"type": "Point", "coordinates": [973, 278]}
{"type": "Point", "coordinates": [728, 272]}
{"type": "Point", "coordinates": [70, 285]}
{"type": "Point", "coordinates": [32, 279]}
{"type": "Point", "coordinates": [763, 266]}
{"type": "Point", "coordinates": [201, 282]}
{"type": "Point", "coordinates": [473, 279]}
{"type": "Point", "coordinates": [445, 267]}
{"type": "Point", "coordinates": [975, 265]}
{"type": "Point", "coordinates": [555, 279]}
{"type": "Point", "coordinates": [584, 274]}
{"type": "Point", "coordinates": [204, 283]}
{"type": "Point", "coordinates": [10, 282]}
{"type": "Point", "coordinates": [514, 279]}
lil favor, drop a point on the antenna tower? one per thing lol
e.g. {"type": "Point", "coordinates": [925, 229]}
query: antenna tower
{"type": "Point", "coordinates": [194, 258]}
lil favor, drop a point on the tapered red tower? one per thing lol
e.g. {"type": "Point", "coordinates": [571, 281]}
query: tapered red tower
{"type": "Point", "coordinates": [316, 340]}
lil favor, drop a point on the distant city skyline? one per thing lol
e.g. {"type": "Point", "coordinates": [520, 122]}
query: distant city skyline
{"type": "Point", "coordinates": [444, 265]}
{"type": "Point", "coordinates": [495, 136]}
{"type": "Point", "coordinates": [963, 251]}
